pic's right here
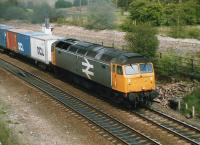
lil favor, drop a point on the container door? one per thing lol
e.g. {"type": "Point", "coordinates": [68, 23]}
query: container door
{"type": "Point", "coordinates": [38, 50]}
{"type": "Point", "coordinates": [3, 38]}
{"type": "Point", "coordinates": [12, 41]}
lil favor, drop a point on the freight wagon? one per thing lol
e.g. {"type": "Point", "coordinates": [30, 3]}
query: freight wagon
{"type": "Point", "coordinates": [11, 39]}
{"type": "Point", "coordinates": [41, 48]}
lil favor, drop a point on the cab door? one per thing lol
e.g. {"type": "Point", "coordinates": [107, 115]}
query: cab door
{"type": "Point", "coordinates": [114, 76]}
{"type": "Point", "coordinates": [118, 78]}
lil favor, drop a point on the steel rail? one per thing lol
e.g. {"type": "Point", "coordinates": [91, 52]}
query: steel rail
{"type": "Point", "coordinates": [175, 126]}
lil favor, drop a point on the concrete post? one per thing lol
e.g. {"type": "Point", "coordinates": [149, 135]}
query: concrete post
{"type": "Point", "coordinates": [186, 106]}
{"type": "Point", "coordinates": [179, 105]}
{"type": "Point", "coordinates": [193, 111]}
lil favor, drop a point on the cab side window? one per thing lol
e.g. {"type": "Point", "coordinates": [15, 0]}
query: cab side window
{"type": "Point", "coordinates": [119, 70]}
{"type": "Point", "coordinates": [63, 45]}
{"type": "Point", "coordinates": [60, 45]}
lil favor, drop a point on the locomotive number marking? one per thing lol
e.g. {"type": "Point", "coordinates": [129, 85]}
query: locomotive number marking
{"type": "Point", "coordinates": [40, 51]}
{"type": "Point", "coordinates": [87, 69]}
{"type": "Point", "coordinates": [20, 46]}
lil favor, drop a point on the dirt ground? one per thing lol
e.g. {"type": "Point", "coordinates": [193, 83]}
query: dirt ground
{"type": "Point", "coordinates": [36, 120]}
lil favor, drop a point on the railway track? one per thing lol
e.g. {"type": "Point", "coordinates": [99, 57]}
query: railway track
{"type": "Point", "coordinates": [121, 132]}
{"type": "Point", "coordinates": [181, 129]}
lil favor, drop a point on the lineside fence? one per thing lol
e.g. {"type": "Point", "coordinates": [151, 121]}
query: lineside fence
{"type": "Point", "coordinates": [171, 65]}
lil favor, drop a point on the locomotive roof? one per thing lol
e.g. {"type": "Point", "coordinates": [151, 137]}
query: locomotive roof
{"type": "Point", "coordinates": [105, 54]}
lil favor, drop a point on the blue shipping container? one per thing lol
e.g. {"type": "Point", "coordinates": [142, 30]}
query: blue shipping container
{"type": "Point", "coordinates": [24, 42]}
{"type": "Point", "coordinates": [3, 30]}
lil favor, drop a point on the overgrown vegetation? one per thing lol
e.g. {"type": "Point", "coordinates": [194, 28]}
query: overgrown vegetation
{"type": "Point", "coordinates": [142, 39]}
{"type": "Point", "coordinates": [100, 15]}
{"type": "Point", "coordinates": [170, 65]}
{"type": "Point", "coordinates": [63, 4]}
{"type": "Point", "coordinates": [161, 12]}
{"type": "Point", "coordinates": [80, 2]}
{"type": "Point", "coordinates": [167, 65]}
{"type": "Point", "coordinates": [5, 133]}
{"type": "Point", "coordinates": [184, 32]}
{"type": "Point", "coordinates": [12, 9]}
{"type": "Point", "coordinates": [124, 4]}
{"type": "Point", "coordinates": [192, 99]}
{"type": "Point", "coordinates": [174, 14]}
{"type": "Point", "coordinates": [42, 11]}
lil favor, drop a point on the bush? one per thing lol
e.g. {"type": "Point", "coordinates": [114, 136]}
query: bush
{"type": "Point", "coordinates": [142, 39]}
{"type": "Point", "coordinates": [63, 4]}
{"type": "Point", "coordinates": [143, 11]}
{"type": "Point", "coordinates": [194, 33]}
{"type": "Point", "coordinates": [168, 65]}
{"type": "Point", "coordinates": [40, 12]}
{"type": "Point", "coordinates": [15, 13]}
{"type": "Point", "coordinates": [126, 25]}
{"type": "Point", "coordinates": [165, 13]}
{"type": "Point", "coordinates": [192, 99]}
{"type": "Point", "coordinates": [77, 3]}
{"type": "Point", "coordinates": [184, 32]}
{"type": "Point", "coordinates": [12, 11]}
{"type": "Point", "coordinates": [178, 32]}
{"type": "Point", "coordinates": [101, 15]}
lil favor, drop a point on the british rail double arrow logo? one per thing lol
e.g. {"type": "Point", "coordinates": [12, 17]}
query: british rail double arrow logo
{"type": "Point", "coordinates": [87, 69]}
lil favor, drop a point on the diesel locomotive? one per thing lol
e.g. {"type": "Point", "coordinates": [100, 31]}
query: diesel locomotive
{"type": "Point", "coordinates": [124, 76]}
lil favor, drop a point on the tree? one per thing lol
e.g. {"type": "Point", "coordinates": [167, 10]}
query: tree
{"type": "Point", "coordinates": [142, 39]}
{"type": "Point", "coordinates": [100, 15]}
{"type": "Point", "coordinates": [62, 4]}
{"type": "Point", "coordinates": [40, 12]}
{"type": "Point", "coordinates": [165, 12]}
{"type": "Point", "coordinates": [78, 3]}
{"type": "Point", "coordinates": [198, 10]}
{"type": "Point", "coordinates": [13, 2]}
{"type": "Point", "coordinates": [122, 3]}
{"type": "Point", "coordinates": [146, 11]}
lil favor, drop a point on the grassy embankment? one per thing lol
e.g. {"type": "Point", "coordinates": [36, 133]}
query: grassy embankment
{"type": "Point", "coordinates": [192, 99]}
{"type": "Point", "coordinates": [180, 32]}
{"type": "Point", "coordinates": [5, 133]}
